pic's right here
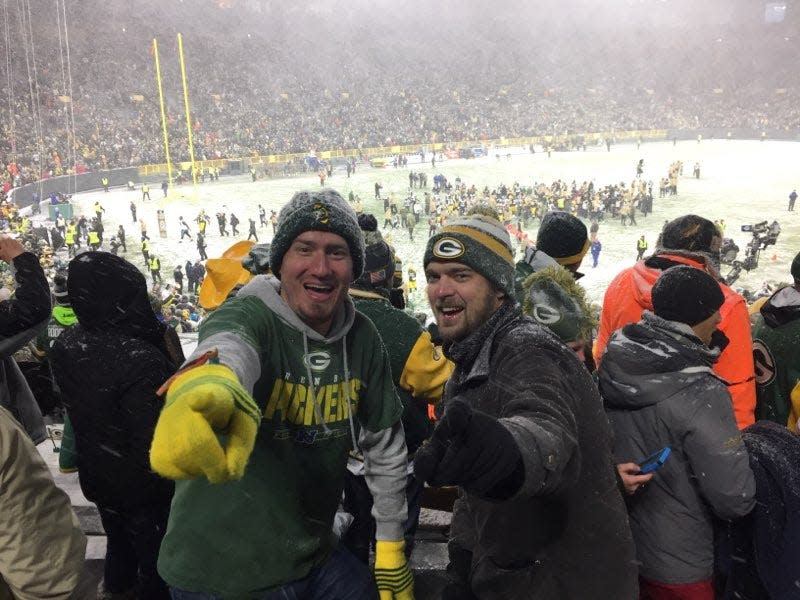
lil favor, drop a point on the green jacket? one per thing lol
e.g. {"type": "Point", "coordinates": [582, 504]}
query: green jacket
{"type": "Point", "coordinates": [776, 338]}
{"type": "Point", "coordinates": [419, 370]}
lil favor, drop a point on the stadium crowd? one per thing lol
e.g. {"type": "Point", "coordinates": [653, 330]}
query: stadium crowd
{"type": "Point", "coordinates": [246, 97]}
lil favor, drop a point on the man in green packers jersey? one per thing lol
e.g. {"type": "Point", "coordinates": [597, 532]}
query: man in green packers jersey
{"type": "Point", "coordinates": [776, 336]}
{"type": "Point", "coordinates": [258, 434]}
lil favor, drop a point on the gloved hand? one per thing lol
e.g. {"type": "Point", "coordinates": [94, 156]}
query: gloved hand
{"type": "Point", "coordinates": [202, 402]}
{"type": "Point", "coordinates": [471, 449]}
{"type": "Point", "coordinates": [392, 574]}
{"type": "Point", "coordinates": [257, 260]}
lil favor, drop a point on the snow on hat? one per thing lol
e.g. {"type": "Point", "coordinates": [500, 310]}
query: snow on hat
{"type": "Point", "coordinates": [552, 298]}
{"type": "Point", "coordinates": [796, 268]}
{"type": "Point", "coordinates": [564, 237]}
{"type": "Point", "coordinates": [257, 260]}
{"type": "Point", "coordinates": [378, 259]}
{"type": "Point", "coordinates": [687, 295]}
{"type": "Point", "coordinates": [60, 289]}
{"type": "Point", "coordinates": [480, 242]}
{"type": "Point", "coordinates": [224, 274]}
{"type": "Point", "coordinates": [320, 210]}
{"type": "Point", "coordinates": [689, 232]}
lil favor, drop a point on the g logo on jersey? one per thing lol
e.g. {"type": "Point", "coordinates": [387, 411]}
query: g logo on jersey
{"type": "Point", "coordinates": [448, 248]}
{"type": "Point", "coordinates": [317, 361]}
{"type": "Point", "coordinates": [764, 362]}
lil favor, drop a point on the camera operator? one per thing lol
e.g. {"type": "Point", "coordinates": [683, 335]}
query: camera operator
{"type": "Point", "coordinates": [763, 236]}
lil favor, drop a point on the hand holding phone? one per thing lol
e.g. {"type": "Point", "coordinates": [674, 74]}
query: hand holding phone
{"type": "Point", "coordinates": [654, 461]}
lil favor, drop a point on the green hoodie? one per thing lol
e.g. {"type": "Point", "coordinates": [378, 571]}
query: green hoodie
{"type": "Point", "coordinates": [245, 538]}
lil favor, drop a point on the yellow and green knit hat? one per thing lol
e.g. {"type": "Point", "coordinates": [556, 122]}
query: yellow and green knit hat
{"type": "Point", "coordinates": [480, 242]}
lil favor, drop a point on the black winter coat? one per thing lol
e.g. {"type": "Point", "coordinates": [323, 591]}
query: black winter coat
{"type": "Point", "coordinates": [564, 535]}
{"type": "Point", "coordinates": [108, 367]}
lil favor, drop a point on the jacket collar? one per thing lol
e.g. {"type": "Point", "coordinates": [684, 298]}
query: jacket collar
{"type": "Point", "coordinates": [472, 355]}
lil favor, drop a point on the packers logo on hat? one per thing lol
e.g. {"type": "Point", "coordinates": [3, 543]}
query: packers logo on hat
{"type": "Point", "coordinates": [448, 248]}
{"type": "Point", "coordinates": [321, 214]}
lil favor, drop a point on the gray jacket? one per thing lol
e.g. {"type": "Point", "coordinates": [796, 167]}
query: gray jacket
{"type": "Point", "coordinates": [565, 534]}
{"type": "Point", "coordinates": [659, 390]}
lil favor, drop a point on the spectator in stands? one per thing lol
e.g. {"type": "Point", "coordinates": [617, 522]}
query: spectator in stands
{"type": "Point", "coordinates": [660, 391]}
{"type": "Point", "coordinates": [108, 368]}
{"type": "Point", "coordinates": [538, 508]}
{"type": "Point", "coordinates": [776, 337]}
{"type": "Point", "coordinates": [42, 547]}
{"type": "Point", "coordinates": [694, 241]}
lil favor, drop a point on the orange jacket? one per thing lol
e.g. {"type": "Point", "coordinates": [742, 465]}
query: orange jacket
{"type": "Point", "coordinates": [628, 295]}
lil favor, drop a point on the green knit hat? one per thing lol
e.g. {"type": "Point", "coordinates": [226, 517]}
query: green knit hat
{"type": "Point", "coordinates": [480, 242]}
{"type": "Point", "coordinates": [322, 210]}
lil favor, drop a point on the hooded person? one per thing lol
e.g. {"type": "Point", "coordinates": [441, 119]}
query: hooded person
{"type": "Point", "coordinates": [660, 391]}
{"type": "Point", "coordinates": [776, 332]}
{"type": "Point", "coordinates": [419, 372]}
{"type": "Point", "coordinates": [263, 417]}
{"type": "Point", "coordinates": [523, 436]}
{"type": "Point", "coordinates": [552, 298]}
{"type": "Point", "coordinates": [693, 241]}
{"type": "Point", "coordinates": [108, 367]}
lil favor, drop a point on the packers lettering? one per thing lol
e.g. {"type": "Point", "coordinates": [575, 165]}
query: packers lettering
{"type": "Point", "coordinates": [294, 403]}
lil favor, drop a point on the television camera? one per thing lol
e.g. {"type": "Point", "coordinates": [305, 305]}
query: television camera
{"type": "Point", "coordinates": [764, 235]}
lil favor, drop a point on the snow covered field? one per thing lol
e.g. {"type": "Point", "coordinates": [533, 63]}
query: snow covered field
{"type": "Point", "coordinates": [742, 182]}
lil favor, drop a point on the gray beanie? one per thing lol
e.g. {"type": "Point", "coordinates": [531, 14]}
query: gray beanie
{"type": "Point", "coordinates": [480, 242]}
{"type": "Point", "coordinates": [322, 210]}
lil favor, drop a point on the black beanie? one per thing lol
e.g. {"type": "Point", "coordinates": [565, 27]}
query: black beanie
{"type": "Point", "coordinates": [796, 268]}
{"type": "Point", "coordinates": [323, 210]}
{"type": "Point", "coordinates": [689, 232]}
{"type": "Point", "coordinates": [60, 292]}
{"type": "Point", "coordinates": [686, 295]}
{"type": "Point", "coordinates": [378, 260]}
{"type": "Point", "coordinates": [563, 237]}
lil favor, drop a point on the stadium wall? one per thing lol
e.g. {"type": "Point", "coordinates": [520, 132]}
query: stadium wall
{"type": "Point", "coordinates": [70, 184]}
{"type": "Point", "coordinates": [242, 164]}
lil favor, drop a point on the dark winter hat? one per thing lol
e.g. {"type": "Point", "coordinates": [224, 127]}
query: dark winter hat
{"type": "Point", "coordinates": [60, 289]}
{"type": "Point", "coordinates": [690, 233]}
{"type": "Point", "coordinates": [687, 295]}
{"type": "Point", "coordinates": [321, 210]}
{"type": "Point", "coordinates": [378, 260]}
{"type": "Point", "coordinates": [257, 260]}
{"type": "Point", "coordinates": [553, 299]}
{"type": "Point", "coordinates": [563, 237]}
{"type": "Point", "coordinates": [796, 268]}
{"type": "Point", "coordinates": [480, 242]}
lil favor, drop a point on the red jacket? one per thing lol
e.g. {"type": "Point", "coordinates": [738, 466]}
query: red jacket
{"type": "Point", "coordinates": [628, 295]}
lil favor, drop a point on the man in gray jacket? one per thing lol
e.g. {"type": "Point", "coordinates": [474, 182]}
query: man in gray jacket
{"type": "Point", "coordinates": [660, 391]}
{"type": "Point", "coordinates": [524, 437]}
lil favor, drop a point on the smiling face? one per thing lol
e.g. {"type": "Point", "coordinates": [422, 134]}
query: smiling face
{"type": "Point", "coordinates": [315, 274]}
{"type": "Point", "coordinates": [462, 300]}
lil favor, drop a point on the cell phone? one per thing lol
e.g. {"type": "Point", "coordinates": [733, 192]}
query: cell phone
{"type": "Point", "coordinates": [654, 461]}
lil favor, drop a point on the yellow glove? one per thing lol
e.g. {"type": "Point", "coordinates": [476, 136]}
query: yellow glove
{"type": "Point", "coordinates": [392, 574]}
{"type": "Point", "coordinates": [202, 402]}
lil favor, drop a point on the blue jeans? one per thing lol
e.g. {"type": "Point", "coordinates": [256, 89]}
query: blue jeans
{"type": "Point", "coordinates": [341, 577]}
